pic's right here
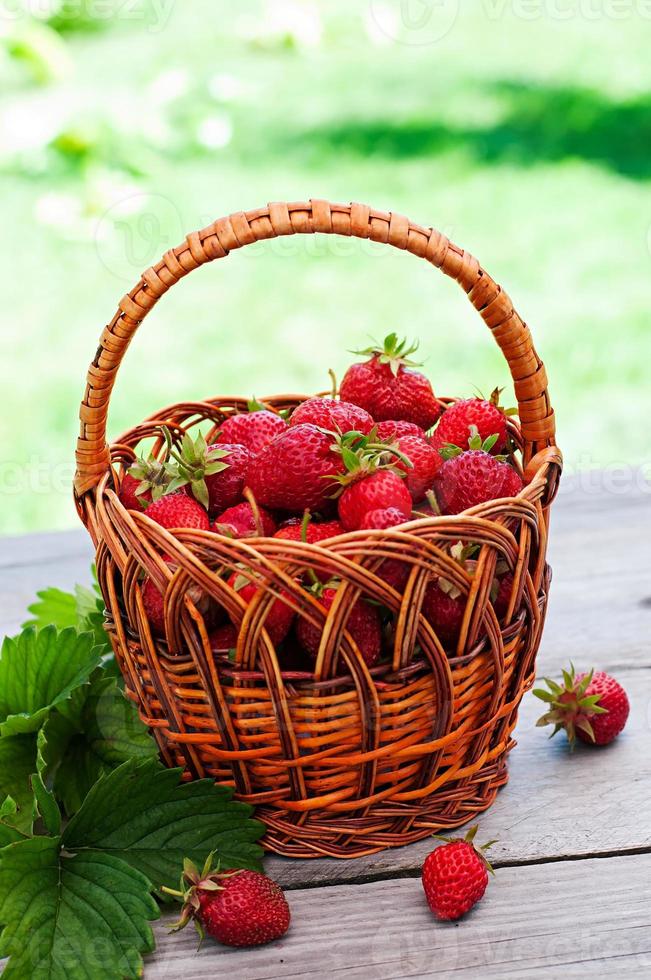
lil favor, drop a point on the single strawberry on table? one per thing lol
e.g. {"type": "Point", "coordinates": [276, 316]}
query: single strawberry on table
{"type": "Point", "coordinates": [593, 706]}
{"type": "Point", "coordinates": [455, 876]}
{"type": "Point", "coordinates": [237, 908]}
{"type": "Point", "coordinates": [486, 415]}
{"type": "Point", "coordinates": [387, 386]}
{"type": "Point", "coordinates": [328, 413]}
{"type": "Point", "coordinates": [473, 476]}
{"type": "Point", "coordinates": [253, 429]}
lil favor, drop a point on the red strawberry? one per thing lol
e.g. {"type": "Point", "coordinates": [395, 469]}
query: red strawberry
{"type": "Point", "coordinates": [280, 616]}
{"type": "Point", "coordinates": [394, 429]}
{"type": "Point", "coordinates": [223, 639]}
{"type": "Point", "coordinates": [472, 476]}
{"type": "Point", "coordinates": [593, 707]}
{"type": "Point", "coordinates": [502, 594]}
{"type": "Point", "coordinates": [388, 517]}
{"type": "Point", "coordinates": [314, 532]}
{"type": "Point", "coordinates": [296, 471]}
{"type": "Point", "coordinates": [328, 413]}
{"type": "Point", "coordinates": [215, 475]}
{"type": "Point", "coordinates": [254, 429]}
{"type": "Point", "coordinates": [425, 464]}
{"type": "Point", "coordinates": [152, 600]}
{"type": "Point", "coordinates": [444, 604]}
{"type": "Point", "coordinates": [237, 908]}
{"type": "Point", "coordinates": [145, 480]}
{"type": "Point", "coordinates": [179, 510]}
{"type": "Point", "coordinates": [455, 876]}
{"type": "Point", "coordinates": [244, 521]}
{"type": "Point", "coordinates": [393, 571]}
{"type": "Point", "coordinates": [363, 624]}
{"type": "Point", "coordinates": [456, 422]}
{"type": "Point", "coordinates": [444, 610]}
{"type": "Point", "coordinates": [388, 388]}
{"type": "Point", "coordinates": [377, 491]}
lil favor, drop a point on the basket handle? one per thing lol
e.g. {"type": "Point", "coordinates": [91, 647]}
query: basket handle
{"type": "Point", "coordinates": [244, 228]}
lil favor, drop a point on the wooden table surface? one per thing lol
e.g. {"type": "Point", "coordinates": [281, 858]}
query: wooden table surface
{"type": "Point", "coordinates": [572, 892]}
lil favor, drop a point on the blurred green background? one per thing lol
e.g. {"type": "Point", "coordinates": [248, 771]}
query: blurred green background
{"type": "Point", "coordinates": [522, 130]}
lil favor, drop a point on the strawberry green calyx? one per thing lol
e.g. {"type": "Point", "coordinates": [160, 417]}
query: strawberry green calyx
{"type": "Point", "coordinates": [152, 476]}
{"type": "Point", "coordinates": [393, 351]}
{"type": "Point", "coordinates": [253, 405]}
{"type": "Point", "coordinates": [193, 464]}
{"type": "Point", "coordinates": [363, 455]}
{"type": "Point", "coordinates": [569, 705]}
{"type": "Point", "coordinates": [449, 451]}
{"type": "Point", "coordinates": [470, 839]}
{"type": "Point", "coordinates": [463, 554]}
{"type": "Point", "coordinates": [193, 881]}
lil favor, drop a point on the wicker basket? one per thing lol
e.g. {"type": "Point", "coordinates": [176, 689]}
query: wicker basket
{"type": "Point", "coordinates": [339, 762]}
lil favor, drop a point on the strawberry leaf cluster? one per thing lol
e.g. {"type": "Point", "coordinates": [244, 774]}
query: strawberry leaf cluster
{"type": "Point", "coordinates": [92, 826]}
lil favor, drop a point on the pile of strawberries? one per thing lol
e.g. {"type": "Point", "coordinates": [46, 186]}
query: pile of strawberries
{"type": "Point", "coordinates": [385, 452]}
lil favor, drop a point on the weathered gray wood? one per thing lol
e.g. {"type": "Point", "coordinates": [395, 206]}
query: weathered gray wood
{"type": "Point", "coordinates": [35, 562]}
{"type": "Point", "coordinates": [556, 803]}
{"type": "Point", "coordinates": [588, 918]}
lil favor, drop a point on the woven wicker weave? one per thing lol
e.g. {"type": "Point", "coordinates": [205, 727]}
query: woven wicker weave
{"type": "Point", "coordinates": [339, 762]}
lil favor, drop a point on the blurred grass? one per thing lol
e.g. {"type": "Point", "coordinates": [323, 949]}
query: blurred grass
{"type": "Point", "coordinates": [525, 141]}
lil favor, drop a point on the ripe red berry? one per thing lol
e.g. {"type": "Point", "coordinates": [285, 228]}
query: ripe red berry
{"type": "Point", "coordinates": [444, 610]}
{"type": "Point", "coordinates": [128, 496]}
{"type": "Point", "coordinates": [245, 522]}
{"type": "Point", "coordinates": [152, 600]}
{"type": "Point", "coordinates": [328, 413]}
{"type": "Point", "coordinates": [456, 422]}
{"type": "Point", "coordinates": [223, 638]}
{"type": "Point", "coordinates": [593, 707]}
{"type": "Point", "coordinates": [225, 487]}
{"type": "Point", "coordinates": [378, 491]}
{"type": "Point", "coordinates": [237, 908]}
{"type": "Point", "coordinates": [393, 429]}
{"type": "Point", "coordinates": [386, 517]}
{"type": "Point", "coordinates": [425, 464]}
{"type": "Point", "coordinates": [314, 532]}
{"type": "Point", "coordinates": [472, 478]}
{"type": "Point", "coordinates": [254, 429]}
{"type": "Point", "coordinates": [178, 510]}
{"type": "Point", "coordinates": [363, 624]}
{"type": "Point", "coordinates": [280, 616]}
{"type": "Point", "coordinates": [296, 471]}
{"type": "Point", "coordinates": [388, 388]}
{"type": "Point", "coordinates": [455, 877]}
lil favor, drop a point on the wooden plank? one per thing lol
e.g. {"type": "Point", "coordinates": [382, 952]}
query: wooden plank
{"type": "Point", "coordinates": [586, 918]}
{"type": "Point", "coordinates": [48, 548]}
{"type": "Point", "coordinates": [554, 806]}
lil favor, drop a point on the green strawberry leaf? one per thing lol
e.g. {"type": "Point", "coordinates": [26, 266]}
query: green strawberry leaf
{"type": "Point", "coordinates": [17, 763]}
{"type": "Point", "coordinates": [103, 732]}
{"type": "Point", "coordinates": [72, 916]}
{"type": "Point", "coordinates": [84, 610]}
{"type": "Point", "coordinates": [55, 608]}
{"type": "Point", "coordinates": [47, 805]}
{"type": "Point", "coordinates": [39, 669]}
{"type": "Point", "coordinates": [142, 814]}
